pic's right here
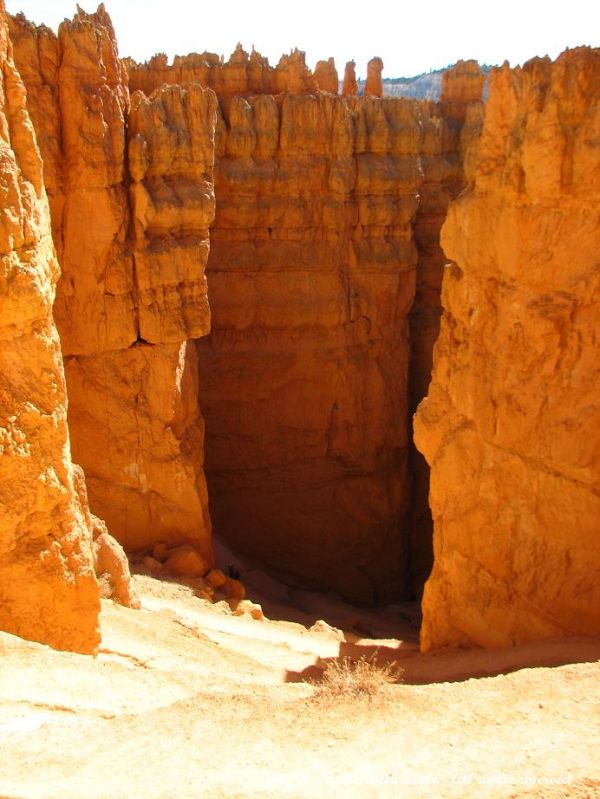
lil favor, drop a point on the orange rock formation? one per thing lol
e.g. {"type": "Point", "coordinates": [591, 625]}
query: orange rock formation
{"type": "Point", "coordinates": [325, 277]}
{"type": "Point", "coordinates": [132, 201]}
{"type": "Point", "coordinates": [461, 85]}
{"type": "Point", "coordinates": [48, 591]}
{"type": "Point", "coordinates": [511, 426]}
{"type": "Point", "coordinates": [326, 76]}
{"type": "Point", "coordinates": [312, 273]}
{"type": "Point", "coordinates": [374, 85]}
{"type": "Point", "coordinates": [242, 75]}
{"type": "Point", "coordinates": [448, 127]}
{"type": "Point", "coordinates": [290, 202]}
{"type": "Point", "coordinates": [304, 376]}
{"type": "Point", "coordinates": [350, 86]}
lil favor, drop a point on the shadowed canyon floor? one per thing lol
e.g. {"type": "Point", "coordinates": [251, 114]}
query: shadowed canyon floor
{"type": "Point", "coordinates": [186, 699]}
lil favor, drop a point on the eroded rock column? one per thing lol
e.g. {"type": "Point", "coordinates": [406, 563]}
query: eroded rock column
{"type": "Point", "coordinates": [48, 591]}
{"type": "Point", "coordinates": [511, 426]}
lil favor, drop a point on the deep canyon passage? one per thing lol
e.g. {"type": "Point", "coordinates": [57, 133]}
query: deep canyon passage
{"type": "Point", "coordinates": [254, 272]}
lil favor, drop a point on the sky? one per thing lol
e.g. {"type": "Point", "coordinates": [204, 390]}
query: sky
{"type": "Point", "coordinates": [411, 36]}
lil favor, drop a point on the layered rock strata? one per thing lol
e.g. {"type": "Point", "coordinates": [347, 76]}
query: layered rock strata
{"type": "Point", "coordinates": [323, 171]}
{"type": "Point", "coordinates": [266, 194]}
{"type": "Point", "coordinates": [304, 376]}
{"type": "Point", "coordinates": [48, 591]}
{"type": "Point", "coordinates": [133, 199]}
{"type": "Point", "coordinates": [511, 426]}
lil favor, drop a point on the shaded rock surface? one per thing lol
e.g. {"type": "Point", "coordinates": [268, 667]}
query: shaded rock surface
{"type": "Point", "coordinates": [48, 591]}
{"type": "Point", "coordinates": [511, 424]}
{"type": "Point", "coordinates": [328, 215]}
{"type": "Point", "coordinates": [304, 182]}
{"type": "Point", "coordinates": [304, 376]}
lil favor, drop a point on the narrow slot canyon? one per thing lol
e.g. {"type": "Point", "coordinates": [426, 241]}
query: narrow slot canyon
{"type": "Point", "coordinates": [324, 283]}
{"type": "Point", "coordinates": [255, 270]}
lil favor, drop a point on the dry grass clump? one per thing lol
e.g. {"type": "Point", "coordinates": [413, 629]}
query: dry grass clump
{"type": "Point", "coordinates": [355, 679]}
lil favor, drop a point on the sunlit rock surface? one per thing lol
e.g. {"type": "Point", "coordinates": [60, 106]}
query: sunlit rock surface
{"type": "Point", "coordinates": [48, 591]}
{"type": "Point", "coordinates": [511, 426]}
{"type": "Point", "coordinates": [132, 200]}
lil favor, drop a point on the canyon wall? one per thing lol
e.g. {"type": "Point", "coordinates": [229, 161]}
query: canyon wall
{"type": "Point", "coordinates": [511, 426]}
{"type": "Point", "coordinates": [304, 377]}
{"type": "Point", "coordinates": [328, 210]}
{"type": "Point", "coordinates": [131, 191]}
{"type": "Point", "coordinates": [48, 591]}
{"type": "Point", "coordinates": [325, 274]}
{"type": "Point", "coordinates": [448, 129]}
{"type": "Point", "coordinates": [328, 214]}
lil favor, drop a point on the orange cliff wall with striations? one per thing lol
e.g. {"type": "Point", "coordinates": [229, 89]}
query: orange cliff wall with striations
{"type": "Point", "coordinates": [511, 426]}
{"type": "Point", "coordinates": [328, 211]}
{"type": "Point", "coordinates": [259, 488]}
{"type": "Point", "coordinates": [325, 276]}
{"type": "Point", "coordinates": [308, 464]}
{"type": "Point", "coordinates": [306, 184]}
{"type": "Point", "coordinates": [132, 198]}
{"type": "Point", "coordinates": [48, 591]}
{"type": "Point", "coordinates": [304, 376]}
{"type": "Point", "coordinates": [448, 129]}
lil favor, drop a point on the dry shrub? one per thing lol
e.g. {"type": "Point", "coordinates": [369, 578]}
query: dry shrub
{"type": "Point", "coordinates": [355, 679]}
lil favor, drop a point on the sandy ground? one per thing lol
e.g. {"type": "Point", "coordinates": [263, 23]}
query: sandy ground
{"type": "Point", "coordinates": [187, 700]}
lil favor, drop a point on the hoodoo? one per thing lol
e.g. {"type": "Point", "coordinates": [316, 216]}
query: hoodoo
{"type": "Point", "coordinates": [350, 86]}
{"type": "Point", "coordinates": [373, 85]}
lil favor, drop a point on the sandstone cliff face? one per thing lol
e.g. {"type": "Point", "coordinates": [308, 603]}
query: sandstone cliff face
{"type": "Point", "coordinates": [511, 424]}
{"type": "Point", "coordinates": [243, 74]}
{"type": "Point", "coordinates": [48, 591]}
{"type": "Point", "coordinates": [304, 376]}
{"type": "Point", "coordinates": [447, 129]}
{"type": "Point", "coordinates": [308, 186]}
{"type": "Point", "coordinates": [130, 216]}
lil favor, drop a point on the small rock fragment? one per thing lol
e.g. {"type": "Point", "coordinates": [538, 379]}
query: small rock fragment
{"type": "Point", "coordinates": [248, 608]}
{"type": "Point", "coordinates": [321, 626]}
{"type": "Point", "coordinates": [216, 578]}
{"type": "Point", "coordinates": [160, 551]}
{"type": "Point", "coordinates": [185, 561]}
{"type": "Point", "coordinates": [234, 589]}
{"type": "Point", "coordinates": [151, 563]}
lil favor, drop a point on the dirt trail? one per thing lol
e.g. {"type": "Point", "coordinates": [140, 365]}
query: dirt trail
{"type": "Point", "coordinates": [187, 700]}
